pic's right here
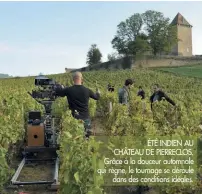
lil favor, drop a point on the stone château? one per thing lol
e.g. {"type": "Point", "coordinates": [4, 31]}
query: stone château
{"type": "Point", "coordinates": [184, 33]}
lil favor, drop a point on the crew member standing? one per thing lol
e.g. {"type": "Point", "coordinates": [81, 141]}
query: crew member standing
{"type": "Point", "coordinates": [78, 100]}
{"type": "Point", "coordinates": [124, 92]}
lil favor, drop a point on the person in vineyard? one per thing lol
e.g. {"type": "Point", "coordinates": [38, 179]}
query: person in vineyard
{"type": "Point", "coordinates": [158, 95]}
{"type": "Point", "coordinates": [78, 100]}
{"type": "Point", "coordinates": [110, 88]}
{"type": "Point", "coordinates": [141, 93]}
{"type": "Point", "coordinates": [124, 92]}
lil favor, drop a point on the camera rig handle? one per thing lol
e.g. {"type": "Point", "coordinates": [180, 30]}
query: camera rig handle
{"type": "Point", "coordinates": [39, 101]}
{"type": "Point", "coordinates": [46, 103]}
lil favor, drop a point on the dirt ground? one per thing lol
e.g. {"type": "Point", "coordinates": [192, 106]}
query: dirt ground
{"type": "Point", "coordinates": [39, 189]}
{"type": "Point", "coordinates": [97, 127]}
{"type": "Point", "coordinates": [43, 172]}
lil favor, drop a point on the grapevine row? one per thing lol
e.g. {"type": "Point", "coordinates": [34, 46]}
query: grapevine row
{"type": "Point", "coordinates": [77, 158]}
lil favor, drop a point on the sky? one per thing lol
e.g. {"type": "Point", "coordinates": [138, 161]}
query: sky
{"type": "Point", "coordinates": [47, 37]}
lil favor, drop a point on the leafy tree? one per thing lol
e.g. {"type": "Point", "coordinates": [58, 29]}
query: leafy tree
{"type": "Point", "coordinates": [140, 45]}
{"type": "Point", "coordinates": [94, 55]}
{"type": "Point", "coordinates": [129, 39]}
{"type": "Point", "coordinates": [161, 35]}
{"type": "Point", "coordinates": [113, 56]}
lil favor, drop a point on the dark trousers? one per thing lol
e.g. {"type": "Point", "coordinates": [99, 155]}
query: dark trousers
{"type": "Point", "coordinates": [87, 127]}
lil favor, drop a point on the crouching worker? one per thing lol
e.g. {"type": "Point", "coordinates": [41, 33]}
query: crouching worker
{"type": "Point", "coordinates": [124, 92]}
{"type": "Point", "coordinates": [78, 100]}
{"type": "Point", "coordinates": [110, 88]}
{"type": "Point", "coordinates": [158, 95]}
{"type": "Point", "coordinates": [141, 93]}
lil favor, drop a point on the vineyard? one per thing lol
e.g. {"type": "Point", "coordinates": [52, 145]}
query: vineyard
{"type": "Point", "coordinates": [77, 159]}
{"type": "Point", "coordinates": [189, 71]}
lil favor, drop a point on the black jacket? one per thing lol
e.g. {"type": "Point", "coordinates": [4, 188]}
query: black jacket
{"type": "Point", "coordinates": [78, 99]}
{"type": "Point", "coordinates": [142, 94]}
{"type": "Point", "coordinates": [160, 96]}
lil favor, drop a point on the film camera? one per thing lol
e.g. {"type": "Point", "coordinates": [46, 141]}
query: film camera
{"type": "Point", "coordinates": [45, 124]}
{"type": "Point", "coordinates": [48, 87]}
{"type": "Point", "coordinates": [45, 92]}
{"type": "Point", "coordinates": [42, 133]}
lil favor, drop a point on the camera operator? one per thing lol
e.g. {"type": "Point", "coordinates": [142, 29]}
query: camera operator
{"type": "Point", "coordinates": [78, 100]}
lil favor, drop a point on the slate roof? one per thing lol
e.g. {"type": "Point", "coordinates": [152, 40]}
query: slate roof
{"type": "Point", "coordinates": [180, 20]}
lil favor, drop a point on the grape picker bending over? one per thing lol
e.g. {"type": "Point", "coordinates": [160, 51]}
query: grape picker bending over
{"type": "Point", "coordinates": [78, 100]}
{"type": "Point", "coordinates": [158, 95]}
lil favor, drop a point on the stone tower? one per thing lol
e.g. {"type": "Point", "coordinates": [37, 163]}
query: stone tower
{"type": "Point", "coordinates": [184, 33]}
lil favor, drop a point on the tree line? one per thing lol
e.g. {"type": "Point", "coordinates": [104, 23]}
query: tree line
{"type": "Point", "coordinates": [149, 32]}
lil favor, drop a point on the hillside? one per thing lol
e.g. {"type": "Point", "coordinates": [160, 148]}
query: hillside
{"type": "Point", "coordinates": [188, 71]}
{"type": "Point", "coordinates": [4, 75]}
{"type": "Point", "coordinates": [147, 61]}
